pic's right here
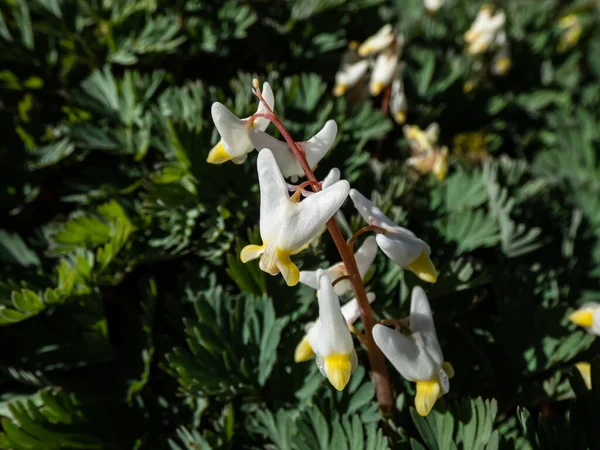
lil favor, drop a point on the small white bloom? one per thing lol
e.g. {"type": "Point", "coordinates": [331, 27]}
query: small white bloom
{"type": "Point", "coordinates": [398, 104]}
{"type": "Point", "coordinates": [364, 258]}
{"type": "Point", "coordinates": [330, 337]}
{"type": "Point", "coordinates": [417, 357]}
{"type": "Point", "coordinates": [350, 311]}
{"type": "Point", "coordinates": [383, 71]}
{"type": "Point", "coordinates": [287, 226]}
{"type": "Point", "coordinates": [314, 149]}
{"type": "Point", "coordinates": [588, 317]}
{"type": "Point", "coordinates": [348, 76]}
{"type": "Point", "coordinates": [378, 42]}
{"type": "Point", "coordinates": [399, 244]}
{"type": "Point", "coordinates": [421, 141]}
{"type": "Point", "coordinates": [235, 141]}
{"type": "Point", "coordinates": [487, 29]}
{"type": "Point", "coordinates": [433, 5]}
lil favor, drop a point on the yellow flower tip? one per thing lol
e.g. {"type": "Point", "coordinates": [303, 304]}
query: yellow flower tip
{"type": "Point", "coordinates": [339, 89]}
{"type": "Point", "coordinates": [353, 45]}
{"type": "Point", "coordinates": [289, 270]}
{"type": "Point", "coordinates": [338, 369]}
{"type": "Point", "coordinates": [582, 317]}
{"type": "Point", "coordinates": [255, 83]}
{"type": "Point", "coordinates": [400, 117]}
{"type": "Point", "coordinates": [502, 65]}
{"type": "Point", "coordinates": [427, 394]}
{"type": "Point", "coordinates": [424, 268]}
{"type": "Point", "coordinates": [448, 368]}
{"type": "Point", "coordinates": [364, 50]}
{"type": "Point", "coordinates": [218, 154]}
{"type": "Point", "coordinates": [250, 252]}
{"type": "Point", "coordinates": [585, 369]}
{"type": "Point", "coordinates": [304, 351]}
{"type": "Point", "coordinates": [468, 87]}
{"type": "Point", "coordinates": [440, 166]}
{"type": "Point", "coordinates": [376, 88]}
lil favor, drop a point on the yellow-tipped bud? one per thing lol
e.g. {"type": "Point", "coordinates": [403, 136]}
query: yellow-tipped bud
{"type": "Point", "coordinates": [583, 318]}
{"type": "Point", "coordinates": [304, 351]}
{"type": "Point", "coordinates": [400, 117]}
{"type": "Point", "coordinates": [255, 83]}
{"type": "Point", "coordinates": [218, 154]}
{"type": "Point", "coordinates": [340, 89]}
{"type": "Point", "coordinates": [427, 394]}
{"type": "Point", "coordinates": [338, 369]}
{"type": "Point", "coordinates": [423, 268]}
{"type": "Point", "coordinates": [376, 88]}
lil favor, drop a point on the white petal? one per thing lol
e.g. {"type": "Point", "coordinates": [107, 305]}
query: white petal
{"type": "Point", "coordinates": [274, 197]}
{"type": "Point", "coordinates": [371, 213]}
{"type": "Point", "coordinates": [334, 336]}
{"type": "Point", "coordinates": [332, 177]}
{"type": "Point", "coordinates": [383, 71]}
{"type": "Point", "coordinates": [351, 311]}
{"type": "Point", "coordinates": [313, 335]}
{"type": "Point", "coordinates": [596, 321]}
{"type": "Point", "coordinates": [233, 131]}
{"type": "Point", "coordinates": [317, 146]}
{"type": "Point", "coordinates": [309, 278]}
{"type": "Point", "coordinates": [365, 255]}
{"type": "Point", "coordinates": [267, 93]}
{"type": "Point", "coordinates": [351, 73]}
{"type": "Point", "coordinates": [306, 219]}
{"type": "Point", "coordinates": [404, 354]}
{"type": "Point", "coordinates": [403, 250]}
{"type": "Point", "coordinates": [379, 41]}
{"type": "Point", "coordinates": [287, 162]}
{"type": "Point", "coordinates": [422, 327]}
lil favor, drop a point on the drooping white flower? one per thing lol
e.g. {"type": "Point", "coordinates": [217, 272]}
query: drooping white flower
{"type": "Point", "coordinates": [314, 149]}
{"type": "Point", "coordinates": [287, 226]}
{"type": "Point", "coordinates": [384, 70]}
{"type": "Point", "coordinates": [433, 5]}
{"type": "Point", "coordinates": [350, 311]}
{"type": "Point", "coordinates": [399, 244]}
{"type": "Point", "coordinates": [364, 258]}
{"type": "Point", "coordinates": [588, 317]}
{"type": "Point", "coordinates": [235, 140]}
{"type": "Point", "coordinates": [330, 337]}
{"type": "Point", "coordinates": [378, 42]}
{"type": "Point", "coordinates": [348, 76]}
{"type": "Point", "coordinates": [417, 357]}
{"type": "Point", "coordinates": [486, 30]}
{"type": "Point", "coordinates": [398, 104]}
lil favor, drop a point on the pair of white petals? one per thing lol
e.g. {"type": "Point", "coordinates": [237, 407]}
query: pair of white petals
{"type": "Point", "coordinates": [417, 357]}
{"type": "Point", "coordinates": [486, 30]}
{"type": "Point", "coordinates": [398, 244]}
{"type": "Point", "coordinates": [288, 226]}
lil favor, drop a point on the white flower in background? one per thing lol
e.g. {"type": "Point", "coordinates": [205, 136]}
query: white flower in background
{"type": "Point", "coordinates": [350, 311]}
{"type": "Point", "coordinates": [501, 63]}
{"type": "Point", "coordinates": [417, 357]}
{"type": "Point", "coordinates": [486, 30]}
{"type": "Point", "coordinates": [287, 226]}
{"type": "Point", "coordinates": [571, 28]}
{"type": "Point", "coordinates": [330, 337]}
{"type": "Point", "coordinates": [399, 244]}
{"type": "Point", "coordinates": [398, 104]}
{"type": "Point", "coordinates": [434, 161]}
{"type": "Point", "coordinates": [314, 149]}
{"type": "Point", "coordinates": [348, 76]}
{"type": "Point", "coordinates": [433, 5]}
{"type": "Point", "coordinates": [378, 42]}
{"type": "Point", "coordinates": [421, 141]}
{"type": "Point", "coordinates": [364, 258]}
{"type": "Point", "coordinates": [235, 141]}
{"type": "Point", "coordinates": [384, 70]}
{"type": "Point", "coordinates": [588, 317]}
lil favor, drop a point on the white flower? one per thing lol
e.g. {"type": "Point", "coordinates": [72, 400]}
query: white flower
{"type": "Point", "coordinates": [383, 71]}
{"type": "Point", "coordinates": [399, 244]}
{"type": "Point", "coordinates": [364, 258]}
{"type": "Point", "coordinates": [330, 337]}
{"type": "Point", "coordinates": [314, 149]}
{"type": "Point", "coordinates": [434, 161]}
{"type": "Point", "coordinates": [433, 5]}
{"type": "Point", "coordinates": [398, 104]}
{"type": "Point", "coordinates": [287, 226]}
{"type": "Point", "coordinates": [421, 141]}
{"type": "Point", "coordinates": [235, 141]}
{"type": "Point", "coordinates": [417, 357]}
{"type": "Point", "coordinates": [350, 311]}
{"type": "Point", "coordinates": [588, 317]}
{"type": "Point", "coordinates": [487, 29]}
{"type": "Point", "coordinates": [378, 42]}
{"type": "Point", "coordinates": [348, 76]}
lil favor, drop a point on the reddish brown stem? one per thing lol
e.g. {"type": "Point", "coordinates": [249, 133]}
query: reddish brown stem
{"type": "Point", "coordinates": [342, 278]}
{"type": "Point", "coordinates": [379, 372]}
{"type": "Point", "coordinates": [366, 229]}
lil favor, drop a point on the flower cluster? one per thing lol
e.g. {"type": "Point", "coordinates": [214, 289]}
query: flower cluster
{"type": "Point", "coordinates": [380, 54]}
{"type": "Point", "coordinates": [292, 216]}
{"type": "Point", "coordinates": [426, 156]}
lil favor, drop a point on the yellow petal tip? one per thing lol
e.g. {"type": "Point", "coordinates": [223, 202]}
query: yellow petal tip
{"type": "Point", "coordinates": [376, 89]}
{"type": "Point", "coordinates": [585, 369]}
{"type": "Point", "coordinates": [338, 369]}
{"type": "Point", "coordinates": [339, 89]}
{"type": "Point", "coordinates": [400, 117]}
{"type": "Point", "coordinates": [250, 252]}
{"type": "Point", "coordinates": [304, 351]}
{"type": "Point", "coordinates": [424, 268]}
{"type": "Point", "coordinates": [583, 318]}
{"type": "Point", "coordinates": [427, 394]}
{"type": "Point", "coordinates": [218, 154]}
